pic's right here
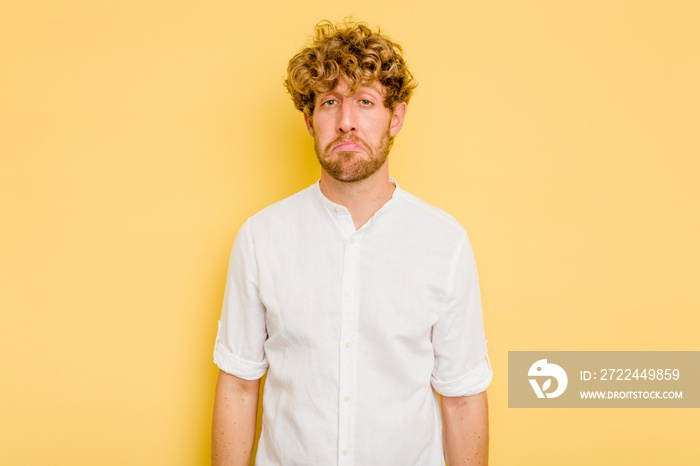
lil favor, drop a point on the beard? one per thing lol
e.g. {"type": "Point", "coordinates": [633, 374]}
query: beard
{"type": "Point", "coordinates": [350, 166]}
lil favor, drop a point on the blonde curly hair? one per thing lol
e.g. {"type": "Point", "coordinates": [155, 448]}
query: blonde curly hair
{"type": "Point", "coordinates": [353, 52]}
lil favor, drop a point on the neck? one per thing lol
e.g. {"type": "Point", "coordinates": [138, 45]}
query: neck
{"type": "Point", "coordinates": [362, 198]}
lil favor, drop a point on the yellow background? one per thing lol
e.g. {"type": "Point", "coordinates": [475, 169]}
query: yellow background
{"type": "Point", "coordinates": [137, 136]}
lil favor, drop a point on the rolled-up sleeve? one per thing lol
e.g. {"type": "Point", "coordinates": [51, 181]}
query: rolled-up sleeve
{"type": "Point", "coordinates": [461, 359]}
{"type": "Point", "coordinates": [239, 348]}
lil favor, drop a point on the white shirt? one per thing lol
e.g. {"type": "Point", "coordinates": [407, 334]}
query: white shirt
{"type": "Point", "coordinates": [353, 327]}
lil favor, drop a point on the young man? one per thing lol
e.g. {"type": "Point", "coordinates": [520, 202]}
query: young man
{"type": "Point", "coordinates": [354, 296]}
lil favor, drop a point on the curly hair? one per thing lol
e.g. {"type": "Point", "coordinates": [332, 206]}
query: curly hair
{"type": "Point", "coordinates": [352, 52]}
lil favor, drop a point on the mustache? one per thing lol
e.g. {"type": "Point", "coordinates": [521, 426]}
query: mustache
{"type": "Point", "coordinates": [346, 138]}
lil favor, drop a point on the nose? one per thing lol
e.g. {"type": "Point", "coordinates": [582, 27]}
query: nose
{"type": "Point", "coordinates": [347, 118]}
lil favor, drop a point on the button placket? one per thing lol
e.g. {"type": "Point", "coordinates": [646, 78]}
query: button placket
{"type": "Point", "coordinates": [348, 355]}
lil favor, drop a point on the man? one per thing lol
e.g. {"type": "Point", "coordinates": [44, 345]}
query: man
{"type": "Point", "coordinates": [353, 295]}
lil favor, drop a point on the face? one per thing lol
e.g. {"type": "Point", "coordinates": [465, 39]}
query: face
{"type": "Point", "coordinates": [352, 131]}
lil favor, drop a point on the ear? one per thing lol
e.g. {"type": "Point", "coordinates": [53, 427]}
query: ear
{"type": "Point", "coordinates": [309, 124]}
{"type": "Point", "coordinates": [397, 118]}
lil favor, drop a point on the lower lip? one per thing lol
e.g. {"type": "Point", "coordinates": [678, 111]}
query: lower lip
{"type": "Point", "coordinates": [348, 146]}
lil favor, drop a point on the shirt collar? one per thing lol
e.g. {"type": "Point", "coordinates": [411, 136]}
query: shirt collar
{"type": "Point", "coordinates": [333, 207]}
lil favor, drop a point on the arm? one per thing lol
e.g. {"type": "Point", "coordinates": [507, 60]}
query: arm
{"type": "Point", "coordinates": [235, 415]}
{"type": "Point", "coordinates": [466, 429]}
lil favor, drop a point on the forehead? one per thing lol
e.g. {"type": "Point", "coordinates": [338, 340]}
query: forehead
{"type": "Point", "coordinates": [344, 89]}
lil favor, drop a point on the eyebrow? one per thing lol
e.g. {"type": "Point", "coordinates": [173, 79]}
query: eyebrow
{"type": "Point", "coordinates": [360, 89]}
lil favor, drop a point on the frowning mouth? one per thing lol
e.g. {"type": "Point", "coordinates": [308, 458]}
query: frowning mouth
{"type": "Point", "coordinates": [346, 145]}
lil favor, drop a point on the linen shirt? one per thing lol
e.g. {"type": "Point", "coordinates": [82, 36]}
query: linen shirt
{"type": "Point", "coordinates": [353, 327]}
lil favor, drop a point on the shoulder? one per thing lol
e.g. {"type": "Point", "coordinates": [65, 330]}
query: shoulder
{"type": "Point", "coordinates": [430, 217]}
{"type": "Point", "coordinates": [284, 212]}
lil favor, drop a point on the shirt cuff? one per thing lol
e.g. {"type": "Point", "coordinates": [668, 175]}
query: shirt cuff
{"type": "Point", "coordinates": [473, 382]}
{"type": "Point", "coordinates": [232, 364]}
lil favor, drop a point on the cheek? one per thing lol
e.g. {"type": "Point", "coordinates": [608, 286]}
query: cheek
{"type": "Point", "coordinates": [318, 124]}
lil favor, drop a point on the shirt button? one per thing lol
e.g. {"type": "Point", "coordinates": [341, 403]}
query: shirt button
{"type": "Point", "coordinates": [348, 344]}
{"type": "Point", "coordinates": [352, 240]}
{"type": "Point", "coordinates": [346, 452]}
{"type": "Point", "coordinates": [349, 294]}
{"type": "Point", "coordinates": [338, 208]}
{"type": "Point", "coordinates": [346, 397]}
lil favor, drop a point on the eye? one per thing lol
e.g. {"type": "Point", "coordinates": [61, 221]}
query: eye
{"type": "Point", "coordinates": [329, 103]}
{"type": "Point", "coordinates": [365, 102]}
